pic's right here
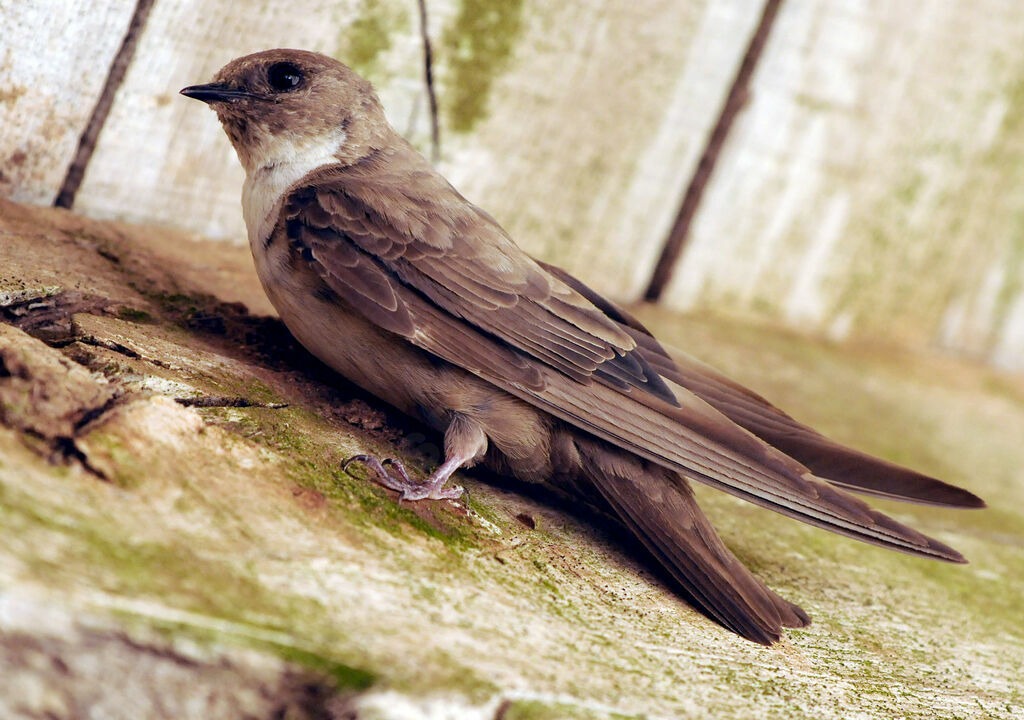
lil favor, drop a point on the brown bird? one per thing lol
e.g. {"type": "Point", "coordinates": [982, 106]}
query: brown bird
{"type": "Point", "coordinates": [386, 273]}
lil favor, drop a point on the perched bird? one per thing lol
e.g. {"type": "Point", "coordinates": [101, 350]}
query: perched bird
{"type": "Point", "coordinates": [386, 273]}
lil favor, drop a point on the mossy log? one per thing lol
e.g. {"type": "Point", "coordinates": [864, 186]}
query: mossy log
{"type": "Point", "coordinates": [179, 540]}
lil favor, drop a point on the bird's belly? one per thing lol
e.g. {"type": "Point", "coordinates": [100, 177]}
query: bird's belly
{"type": "Point", "coordinates": [401, 374]}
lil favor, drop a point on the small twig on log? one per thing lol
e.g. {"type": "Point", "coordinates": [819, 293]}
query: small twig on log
{"type": "Point", "coordinates": [428, 72]}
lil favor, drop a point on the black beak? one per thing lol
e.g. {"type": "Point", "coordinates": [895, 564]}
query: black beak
{"type": "Point", "coordinates": [215, 92]}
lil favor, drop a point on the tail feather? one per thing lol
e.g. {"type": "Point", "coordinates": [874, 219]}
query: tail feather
{"type": "Point", "coordinates": [659, 507]}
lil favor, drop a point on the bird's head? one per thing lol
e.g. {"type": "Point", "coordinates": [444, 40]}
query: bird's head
{"type": "Point", "coordinates": [277, 106]}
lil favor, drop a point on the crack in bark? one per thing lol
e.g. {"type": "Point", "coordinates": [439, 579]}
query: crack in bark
{"type": "Point", "coordinates": [97, 412]}
{"type": "Point", "coordinates": [48, 317]}
{"type": "Point", "coordinates": [121, 349]}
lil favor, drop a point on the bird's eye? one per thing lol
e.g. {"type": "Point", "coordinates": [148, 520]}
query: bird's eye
{"type": "Point", "coordinates": [284, 76]}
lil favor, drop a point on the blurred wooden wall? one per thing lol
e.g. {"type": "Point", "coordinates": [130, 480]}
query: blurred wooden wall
{"type": "Point", "coordinates": [872, 186]}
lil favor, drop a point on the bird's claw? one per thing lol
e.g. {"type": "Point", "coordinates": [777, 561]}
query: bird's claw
{"type": "Point", "coordinates": [402, 483]}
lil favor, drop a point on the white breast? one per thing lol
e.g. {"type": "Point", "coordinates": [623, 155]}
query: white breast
{"type": "Point", "coordinates": [264, 188]}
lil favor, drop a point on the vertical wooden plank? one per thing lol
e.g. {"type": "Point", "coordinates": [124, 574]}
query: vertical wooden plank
{"type": "Point", "coordinates": [98, 118]}
{"type": "Point", "coordinates": [737, 97]}
{"type": "Point", "coordinates": [54, 57]}
{"type": "Point", "coordinates": [875, 185]}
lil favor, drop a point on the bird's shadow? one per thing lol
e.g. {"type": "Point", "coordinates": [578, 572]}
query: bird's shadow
{"type": "Point", "coordinates": [267, 342]}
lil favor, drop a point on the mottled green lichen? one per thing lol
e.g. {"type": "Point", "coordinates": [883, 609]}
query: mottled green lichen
{"type": "Point", "coordinates": [473, 51]}
{"type": "Point", "coordinates": [549, 710]}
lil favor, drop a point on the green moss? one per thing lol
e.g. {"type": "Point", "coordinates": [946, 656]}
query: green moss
{"type": "Point", "coordinates": [475, 49]}
{"type": "Point", "coordinates": [449, 670]}
{"type": "Point", "coordinates": [481, 509]}
{"type": "Point", "coordinates": [132, 568]}
{"type": "Point", "coordinates": [123, 469]}
{"type": "Point", "coordinates": [133, 315]}
{"type": "Point", "coordinates": [315, 455]}
{"type": "Point", "coordinates": [544, 710]}
{"type": "Point", "coordinates": [370, 35]}
{"type": "Point", "coordinates": [174, 304]}
{"type": "Point", "coordinates": [344, 677]}
{"type": "Point", "coordinates": [379, 509]}
{"type": "Point", "coordinates": [181, 579]}
{"type": "Point", "coordinates": [338, 675]}
{"type": "Point", "coordinates": [259, 392]}
{"type": "Point", "coordinates": [909, 189]}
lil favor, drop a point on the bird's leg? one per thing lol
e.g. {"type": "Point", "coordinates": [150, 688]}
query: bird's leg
{"type": "Point", "coordinates": [464, 443]}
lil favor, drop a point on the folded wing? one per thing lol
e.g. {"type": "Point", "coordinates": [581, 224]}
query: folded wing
{"type": "Point", "coordinates": [467, 294]}
{"type": "Point", "coordinates": [840, 465]}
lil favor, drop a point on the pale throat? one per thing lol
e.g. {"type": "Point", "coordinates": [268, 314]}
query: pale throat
{"type": "Point", "coordinates": [269, 174]}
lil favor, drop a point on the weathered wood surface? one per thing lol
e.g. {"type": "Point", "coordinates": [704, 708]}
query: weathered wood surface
{"type": "Point", "coordinates": [872, 187]}
{"type": "Point", "coordinates": [875, 184]}
{"type": "Point", "coordinates": [54, 56]}
{"type": "Point", "coordinates": [164, 561]}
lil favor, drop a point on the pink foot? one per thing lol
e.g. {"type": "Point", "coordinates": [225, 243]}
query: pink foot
{"type": "Point", "coordinates": [432, 489]}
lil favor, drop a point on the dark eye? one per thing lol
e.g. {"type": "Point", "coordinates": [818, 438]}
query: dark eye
{"type": "Point", "coordinates": [284, 76]}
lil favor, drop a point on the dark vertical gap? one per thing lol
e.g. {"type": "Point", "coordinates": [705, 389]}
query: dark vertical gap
{"type": "Point", "coordinates": [115, 76]}
{"type": "Point", "coordinates": [734, 102]}
{"type": "Point", "coordinates": [428, 72]}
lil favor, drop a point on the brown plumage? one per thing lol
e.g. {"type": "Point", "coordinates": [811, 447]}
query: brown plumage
{"type": "Point", "coordinates": [386, 273]}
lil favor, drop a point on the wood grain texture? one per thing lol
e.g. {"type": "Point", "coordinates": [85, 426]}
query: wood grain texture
{"type": "Point", "coordinates": [242, 537]}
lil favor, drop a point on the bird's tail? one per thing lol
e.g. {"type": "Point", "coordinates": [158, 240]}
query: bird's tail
{"type": "Point", "coordinates": [659, 507]}
{"type": "Point", "coordinates": [831, 461]}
